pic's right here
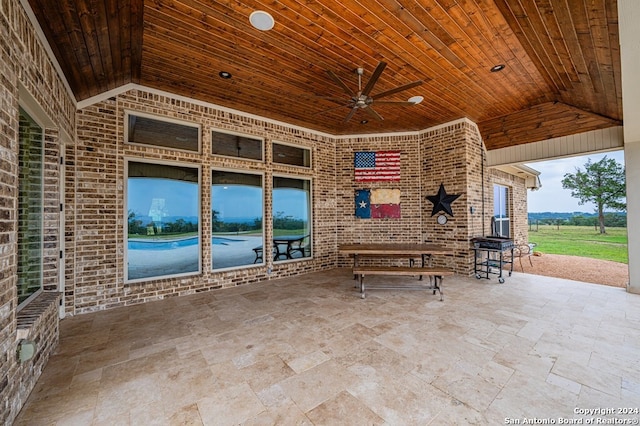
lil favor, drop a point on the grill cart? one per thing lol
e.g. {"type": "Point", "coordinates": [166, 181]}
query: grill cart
{"type": "Point", "coordinates": [491, 256]}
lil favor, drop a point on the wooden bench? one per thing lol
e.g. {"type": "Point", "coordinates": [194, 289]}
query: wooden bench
{"type": "Point", "coordinates": [431, 272]}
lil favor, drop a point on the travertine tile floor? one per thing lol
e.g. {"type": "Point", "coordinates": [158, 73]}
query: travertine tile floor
{"type": "Point", "coordinates": [308, 350]}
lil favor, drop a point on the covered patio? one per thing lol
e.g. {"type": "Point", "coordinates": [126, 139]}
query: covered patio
{"type": "Point", "coordinates": [122, 122]}
{"type": "Point", "coordinates": [308, 350]}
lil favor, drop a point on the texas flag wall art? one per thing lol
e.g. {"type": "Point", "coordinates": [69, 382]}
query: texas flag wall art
{"type": "Point", "coordinates": [377, 203]}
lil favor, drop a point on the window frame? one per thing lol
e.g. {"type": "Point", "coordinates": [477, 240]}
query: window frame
{"type": "Point", "coordinates": [262, 175]}
{"type": "Point", "coordinates": [125, 232]}
{"type": "Point", "coordinates": [293, 145]}
{"type": "Point", "coordinates": [243, 135]}
{"type": "Point", "coordinates": [128, 113]}
{"type": "Point", "coordinates": [36, 119]}
{"type": "Point", "coordinates": [310, 217]}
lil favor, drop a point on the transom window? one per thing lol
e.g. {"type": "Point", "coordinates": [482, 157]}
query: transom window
{"type": "Point", "coordinates": [146, 130]}
{"type": "Point", "coordinates": [292, 155]}
{"type": "Point", "coordinates": [232, 145]}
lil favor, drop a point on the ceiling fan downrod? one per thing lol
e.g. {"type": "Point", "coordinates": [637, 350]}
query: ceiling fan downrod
{"type": "Point", "coordinates": [360, 100]}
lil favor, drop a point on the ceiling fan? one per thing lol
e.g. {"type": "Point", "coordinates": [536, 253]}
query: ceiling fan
{"type": "Point", "coordinates": [362, 98]}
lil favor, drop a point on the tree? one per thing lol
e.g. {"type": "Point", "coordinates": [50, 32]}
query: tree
{"type": "Point", "coordinates": [601, 183]}
{"type": "Point", "coordinates": [135, 225]}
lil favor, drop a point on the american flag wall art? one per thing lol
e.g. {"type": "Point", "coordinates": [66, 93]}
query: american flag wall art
{"type": "Point", "coordinates": [377, 166]}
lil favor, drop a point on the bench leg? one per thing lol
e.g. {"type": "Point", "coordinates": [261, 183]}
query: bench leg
{"type": "Point", "coordinates": [437, 286]}
{"type": "Point", "coordinates": [362, 293]}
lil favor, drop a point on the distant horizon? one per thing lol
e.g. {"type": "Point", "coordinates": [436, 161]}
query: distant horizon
{"type": "Point", "coordinates": [578, 212]}
{"type": "Point", "coordinates": [552, 196]}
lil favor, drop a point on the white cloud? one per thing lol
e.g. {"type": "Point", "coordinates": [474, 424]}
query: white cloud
{"type": "Point", "coordinates": [552, 197]}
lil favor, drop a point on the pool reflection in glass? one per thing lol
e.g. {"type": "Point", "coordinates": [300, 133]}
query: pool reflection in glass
{"type": "Point", "coordinates": [163, 237]}
{"type": "Point", "coordinates": [236, 219]}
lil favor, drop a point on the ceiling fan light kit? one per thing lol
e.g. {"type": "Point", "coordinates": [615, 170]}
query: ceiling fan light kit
{"type": "Point", "coordinates": [362, 98]}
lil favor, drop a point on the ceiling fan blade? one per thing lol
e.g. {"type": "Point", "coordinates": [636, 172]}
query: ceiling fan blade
{"type": "Point", "coordinates": [340, 83]}
{"type": "Point", "coordinates": [398, 89]}
{"type": "Point", "coordinates": [407, 103]}
{"type": "Point", "coordinates": [374, 78]}
{"type": "Point", "coordinates": [373, 113]}
{"type": "Point", "coordinates": [348, 117]}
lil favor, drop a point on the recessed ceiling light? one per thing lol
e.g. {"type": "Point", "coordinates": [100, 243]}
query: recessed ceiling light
{"type": "Point", "coordinates": [261, 20]}
{"type": "Point", "coordinates": [224, 74]}
{"type": "Point", "coordinates": [497, 68]}
{"type": "Point", "coordinates": [364, 121]}
{"type": "Point", "coordinates": [416, 99]}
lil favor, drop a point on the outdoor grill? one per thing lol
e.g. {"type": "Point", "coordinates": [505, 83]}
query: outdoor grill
{"type": "Point", "coordinates": [493, 243]}
{"type": "Point", "coordinates": [489, 256]}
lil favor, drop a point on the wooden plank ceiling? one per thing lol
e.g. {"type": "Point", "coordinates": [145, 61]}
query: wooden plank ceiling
{"type": "Point", "coordinates": [561, 57]}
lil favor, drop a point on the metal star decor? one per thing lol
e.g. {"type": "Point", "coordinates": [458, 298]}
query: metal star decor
{"type": "Point", "coordinates": [442, 201]}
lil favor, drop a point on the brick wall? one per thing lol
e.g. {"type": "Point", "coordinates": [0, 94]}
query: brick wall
{"type": "Point", "coordinates": [29, 79]}
{"type": "Point", "coordinates": [451, 155]}
{"type": "Point", "coordinates": [95, 171]}
{"type": "Point", "coordinates": [95, 196]}
{"type": "Point", "coordinates": [94, 204]}
{"type": "Point", "coordinates": [450, 158]}
{"type": "Point", "coordinates": [405, 229]}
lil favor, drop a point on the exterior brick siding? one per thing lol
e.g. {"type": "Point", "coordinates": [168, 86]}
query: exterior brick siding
{"type": "Point", "coordinates": [91, 142]}
{"type": "Point", "coordinates": [451, 155]}
{"type": "Point", "coordinates": [28, 78]}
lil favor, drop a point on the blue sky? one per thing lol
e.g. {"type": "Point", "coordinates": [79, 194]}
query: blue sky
{"type": "Point", "coordinates": [552, 197]}
{"type": "Point", "coordinates": [231, 201]}
{"type": "Point", "coordinates": [234, 201]}
{"type": "Point", "coordinates": [293, 202]}
{"type": "Point", "coordinates": [240, 201]}
{"type": "Point", "coordinates": [181, 198]}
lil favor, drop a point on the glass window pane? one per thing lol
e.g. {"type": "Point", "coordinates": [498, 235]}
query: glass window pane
{"type": "Point", "coordinates": [504, 210]}
{"type": "Point", "coordinates": [291, 218]}
{"type": "Point", "coordinates": [293, 155]}
{"type": "Point", "coordinates": [500, 201]}
{"type": "Point", "coordinates": [237, 218]}
{"type": "Point", "coordinates": [163, 220]}
{"type": "Point", "coordinates": [236, 146]}
{"type": "Point", "coordinates": [501, 210]}
{"type": "Point", "coordinates": [30, 199]}
{"type": "Point", "coordinates": [149, 131]}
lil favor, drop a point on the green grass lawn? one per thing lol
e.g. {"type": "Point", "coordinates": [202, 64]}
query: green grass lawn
{"type": "Point", "coordinates": [582, 241]}
{"type": "Point", "coordinates": [163, 236]}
